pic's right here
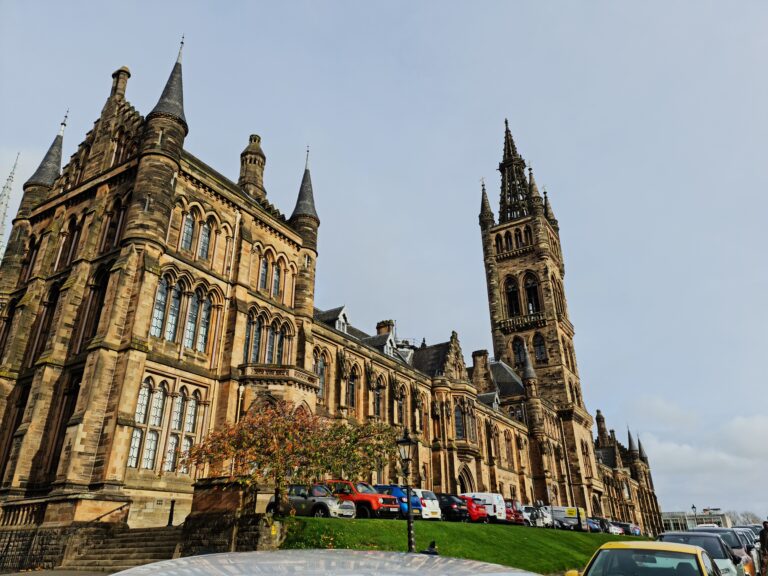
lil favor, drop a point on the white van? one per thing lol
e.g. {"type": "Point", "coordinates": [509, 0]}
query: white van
{"type": "Point", "coordinates": [494, 505]}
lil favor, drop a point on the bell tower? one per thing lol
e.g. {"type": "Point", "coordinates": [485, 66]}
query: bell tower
{"type": "Point", "coordinates": [524, 274]}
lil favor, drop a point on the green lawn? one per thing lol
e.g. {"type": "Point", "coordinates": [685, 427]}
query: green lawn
{"type": "Point", "coordinates": [534, 549]}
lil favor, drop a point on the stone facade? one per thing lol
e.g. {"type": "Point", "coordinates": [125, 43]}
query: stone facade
{"type": "Point", "coordinates": [147, 299]}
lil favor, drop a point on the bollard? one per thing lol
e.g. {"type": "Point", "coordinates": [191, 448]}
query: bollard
{"type": "Point", "coordinates": [170, 513]}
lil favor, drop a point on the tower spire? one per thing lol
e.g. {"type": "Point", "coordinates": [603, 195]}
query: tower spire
{"type": "Point", "coordinates": [50, 167]}
{"type": "Point", "coordinates": [171, 103]}
{"type": "Point", "coordinates": [514, 186]}
{"type": "Point", "coordinates": [631, 441]}
{"type": "Point", "coordinates": [5, 196]}
{"type": "Point", "coordinates": [486, 214]}
{"type": "Point", "coordinates": [305, 203]}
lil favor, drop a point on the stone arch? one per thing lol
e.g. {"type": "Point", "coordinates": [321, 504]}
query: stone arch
{"type": "Point", "coordinates": [465, 482]}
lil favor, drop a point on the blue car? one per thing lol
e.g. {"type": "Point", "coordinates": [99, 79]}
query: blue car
{"type": "Point", "coordinates": [399, 493]}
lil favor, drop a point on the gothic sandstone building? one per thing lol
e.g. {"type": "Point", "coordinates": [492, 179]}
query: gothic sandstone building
{"type": "Point", "coordinates": [148, 299]}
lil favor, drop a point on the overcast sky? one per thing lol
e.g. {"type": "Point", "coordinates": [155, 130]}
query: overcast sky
{"type": "Point", "coordinates": [646, 122]}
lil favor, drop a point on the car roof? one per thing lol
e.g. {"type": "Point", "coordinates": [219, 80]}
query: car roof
{"type": "Point", "coordinates": [689, 533]}
{"type": "Point", "coordinates": [661, 546]}
{"type": "Point", "coordinates": [320, 562]}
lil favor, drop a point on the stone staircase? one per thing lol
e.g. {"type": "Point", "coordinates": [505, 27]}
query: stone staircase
{"type": "Point", "coordinates": [125, 550]}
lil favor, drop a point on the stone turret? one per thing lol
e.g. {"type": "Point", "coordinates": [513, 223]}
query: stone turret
{"type": "Point", "coordinates": [252, 163]}
{"type": "Point", "coordinates": [603, 439]}
{"type": "Point", "coordinates": [304, 218]}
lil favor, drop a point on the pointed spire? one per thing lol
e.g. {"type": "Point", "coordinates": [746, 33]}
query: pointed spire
{"type": "Point", "coordinates": [533, 190]}
{"type": "Point", "coordinates": [306, 162]}
{"type": "Point", "coordinates": [643, 455]}
{"type": "Point", "coordinates": [486, 213]}
{"type": "Point", "coordinates": [50, 167]}
{"type": "Point", "coordinates": [5, 197]}
{"type": "Point", "coordinates": [305, 203]}
{"type": "Point", "coordinates": [631, 440]}
{"type": "Point", "coordinates": [510, 150]}
{"type": "Point", "coordinates": [171, 101]}
{"type": "Point", "coordinates": [528, 372]}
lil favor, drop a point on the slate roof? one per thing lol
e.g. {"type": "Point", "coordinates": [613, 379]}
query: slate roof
{"type": "Point", "coordinates": [50, 167]}
{"type": "Point", "coordinates": [506, 379]}
{"type": "Point", "coordinates": [171, 101]}
{"type": "Point", "coordinates": [607, 456]}
{"type": "Point", "coordinates": [305, 203]}
{"type": "Point", "coordinates": [328, 316]}
{"type": "Point", "coordinates": [431, 359]}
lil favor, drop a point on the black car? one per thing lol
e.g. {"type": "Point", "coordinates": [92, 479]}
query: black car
{"type": "Point", "coordinates": [452, 508]}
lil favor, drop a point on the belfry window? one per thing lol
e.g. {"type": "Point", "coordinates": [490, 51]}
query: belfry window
{"type": "Point", "coordinates": [532, 294]}
{"type": "Point", "coordinates": [518, 349]}
{"type": "Point", "coordinates": [539, 348]}
{"type": "Point", "coordinates": [528, 236]}
{"type": "Point", "coordinates": [513, 297]}
{"type": "Point", "coordinates": [518, 239]}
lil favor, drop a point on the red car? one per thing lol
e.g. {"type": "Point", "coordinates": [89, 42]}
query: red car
{"type": "Point", "coordinates": [368, 502]}
{"type": "Point", "coordinates": [476, 509]}
{"type": "Point", "coordinates": [514, 514]}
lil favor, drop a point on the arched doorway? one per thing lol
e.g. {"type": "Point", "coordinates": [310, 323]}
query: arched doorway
{"type": "Point", "coordinates": [466, 483]}
{"type": "Point", "coordinates": [597, 509]}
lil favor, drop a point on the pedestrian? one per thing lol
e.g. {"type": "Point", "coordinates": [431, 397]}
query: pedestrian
{"type": "Point", "coordinates": [764, 546]}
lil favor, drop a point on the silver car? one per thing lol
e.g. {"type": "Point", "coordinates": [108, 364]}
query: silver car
{"type": "Point", "coordinates": [315, 500]}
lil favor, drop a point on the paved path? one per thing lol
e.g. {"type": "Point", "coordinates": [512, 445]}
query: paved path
{"type": "Point", "coordinates": [55, 573]}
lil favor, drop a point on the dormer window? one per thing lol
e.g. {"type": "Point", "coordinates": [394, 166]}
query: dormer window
{"type": "Point", "coordinates": [341, 323]}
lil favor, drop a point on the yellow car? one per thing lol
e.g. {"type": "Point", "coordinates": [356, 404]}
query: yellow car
{"type": "Point", "coordinates": [649, 559]}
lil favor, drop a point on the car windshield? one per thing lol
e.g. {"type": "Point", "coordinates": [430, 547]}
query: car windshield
{"type": "Point", "coordinates": [320, 491]}
{"type": "Point", "coordinates": [710, 543]}
{"type": "Point", "coordinates": [729, 536]}
{"type": "Point", "coordinates": [618, 562]}
{"type": "Point", "coordinates": [364, 488]}
{"type": "Point", "coordinates": [384, 490]}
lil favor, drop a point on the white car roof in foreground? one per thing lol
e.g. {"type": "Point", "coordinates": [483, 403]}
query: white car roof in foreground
{"type": "Point", "coordinates": [317, 562]}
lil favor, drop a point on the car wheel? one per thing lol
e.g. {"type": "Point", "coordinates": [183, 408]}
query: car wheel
{"type": "Point", "coordinates": [363, 512]}
{"type": "Point", "coordinates": [527, 522]}
{"type": "Point", "coordinates": [320, 512]}
{"type": "Point", "coordinates": [486, 520]}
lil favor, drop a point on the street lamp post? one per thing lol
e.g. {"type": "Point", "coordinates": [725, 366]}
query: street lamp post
{"type": "Point", "coordinates": [695, 516]}
{"type": "Point", "coordinates": [405, 447]}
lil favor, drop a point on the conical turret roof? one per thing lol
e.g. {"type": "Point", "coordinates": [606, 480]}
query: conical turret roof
{"type": "Point", "coordinates": [528, 372]}
{"type": "Point", "coordinates": [50, 167]}
{"type": "Point", "coordinates": [171, 101]}
{"type": "Point", "coordinates": [631, 440]}
{"type": "Point", "coordinates": [305, 203]}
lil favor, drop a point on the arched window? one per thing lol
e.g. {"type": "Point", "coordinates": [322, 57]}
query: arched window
{"type": "Point", "coordinates": [205, 325]}
{"type": "Point", "coordinates": [44, 323]}
{"type": "Point", "coordinates": [113, 226]}
{"type": "Point", "coordinates": [539, 348]}
{"type": "Point", "coordinates": [186, 446]}
{"type": "Point", "coordinates": [377, 402]}
{"type": "Point", "coordinates": [280, 346]}
{"type": "Point", "coordinates": [177, 411]}
{"type": "Point", "coordinates": [518, 238]}
{"type": "Point", "coordinates": [191, 325]}
{"type": "Point", "coordinates": [319, 369]}
{"type": "Point", "coordinates": [33, 248]}
{"type": "Point", "coordinates": [400, 410]}
{"type": "Point", "coordinates": [158, 312]}
{"type": "Point", "coordinates": [263, 274]}
{"type": "Point", "coordinates": [7, 325]}
{"type": "Point", "coordinates": [255, 326]}
{"type": "Point", "coordinates": [518, 349]}
{"type": "Point", "coordinates": [351, 389]}
{"type": "Point", "coordinates": [508, 241]}
{"type": "Point", "coordinates": [271, 331]}
{"type": "Point", "coordinates": [140, 416]}
{"type": "Point", "coordinates": [204, 245]}
{"type": "Point", "coordinates": [187, 232]}
{"type": "Point", "coordinates": [499, 246]}
{"type": "Point", "coordinates": [532, 294]}
{"type": "Point", "coordinates": [276, 281]}
{"type": "Point", "coordinates": [513, 297]}
{"type": "Point", "coordinates": [158, 406]}
{"type": "Point", "coordinates": [95, 306]}
{"type": "Point", "coordinates": [190, 422]}
{"type": "Point", "coordinates": [458, 417]}
{"type": "Point", "coordinates": [172, 324]}
{"type": "Point", "coordinates": [528, 236]}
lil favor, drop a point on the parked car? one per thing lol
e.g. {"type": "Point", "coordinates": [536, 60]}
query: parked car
{"type": "Point", "coordinates": [566, 523]}
{"type": "Point", "coordinates": [430, 507]}
{"type": "Point", "coordinates": [494, 505]}
{"type": "Point", "coordinates": [399, 493]}
{"type": "Point", "coordinates": [615, 530]}
{"type": "Point", "coordinates": [594, 525]}
{"type": "Point", "coordinates": [536, 516]}
{"type": "Point", "coordinates": [315, 500]}
{"type": "Point", "coordinates": [476, 509]}
{"type": "Point", "coordinates": [718, 550]}
{"type": "Point", "coordinates": [748, 539]}
{"type": "Point", "coordinates": [649, 559]}
{"type": "Point", "coordinates": [571, 514]}
{"type": "Point", "coordinates": [452, 507]}
{"type": "Point", "coordinates": [731, 537]}
{"type": "Point", "coordinates": [514, 514]}
{"type": "Point", "coordinates": [368, 503]}
{"type": "Point", "coordinates": [629, 529]}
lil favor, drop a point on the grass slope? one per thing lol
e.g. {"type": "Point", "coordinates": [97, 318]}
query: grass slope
{"type": "Point", "coordinates": [534, 549]}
